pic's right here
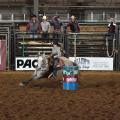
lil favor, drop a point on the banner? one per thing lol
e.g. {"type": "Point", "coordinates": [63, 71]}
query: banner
{"type": "Point", "coordinates": [26, 63]}
{"type": "Point", "coordinates": [2, 55]}
{"type": "Point", "coordinates": [94, 63]}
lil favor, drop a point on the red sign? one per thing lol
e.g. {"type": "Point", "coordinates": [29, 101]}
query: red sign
{"type": "Point", "coordinates": [2, 54]}
{"type": "Point", "coordinates": [70, 79]}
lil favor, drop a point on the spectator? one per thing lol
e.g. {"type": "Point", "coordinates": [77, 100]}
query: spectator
{"type": "Point", "coordinates": [111, 29]}
{"type": "Point", "coordinates": [45, 26]}
{"type": "Point", "coordinates": [57, 27]}
{"type": "Point", "coordinates": [74, 25]}
{"type": "Point", "coordinates": [111, 26]}
{"type": "Point", "coordinates": [57, 24]}
{"type": "Point", "coordinates": [34, 25]}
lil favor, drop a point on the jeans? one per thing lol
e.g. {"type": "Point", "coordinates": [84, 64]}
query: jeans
{"type": "Point", "coordinates": [55, 63]}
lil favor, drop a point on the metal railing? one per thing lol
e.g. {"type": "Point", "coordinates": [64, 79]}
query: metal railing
{"type": "Point", "coordinates": [75, 44]}
{"type": "Point", "coordinates": [28, 44]}
{"type": "Point", "coordinates": [93, 45]}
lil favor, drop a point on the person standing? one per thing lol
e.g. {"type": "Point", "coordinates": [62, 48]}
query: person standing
{"type": "Point", "coordinates": [34, 25]}
{"type": "Point", "coordinates": [74, 25]}
{"type": "Point", "coordinates": [45, 26]}
{"type": "Point", "coordinates": [111, 29]}
{"type": "Point", "coordinates": [57, 27]}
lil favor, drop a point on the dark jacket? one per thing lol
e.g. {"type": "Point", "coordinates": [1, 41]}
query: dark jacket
{"type": "Point", "coordinates": [111, 28]}
{"type": "Point", "coordinates": [56, 24]}
{"type": "Point", "coordinates": [74, 26]}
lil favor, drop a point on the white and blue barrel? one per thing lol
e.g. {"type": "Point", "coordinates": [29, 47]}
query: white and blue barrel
{"type": "Point", "coordinates": [70, 77]}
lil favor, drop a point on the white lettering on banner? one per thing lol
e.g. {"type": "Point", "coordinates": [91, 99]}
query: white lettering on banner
{"type": "Point", "coordinates": [93, 63]}
{"type": "Point", "coordinates": [71, 79]}
{"type": "Point", "coordinates": [75, 72]}
{"type": "Point", "coordinates": [26, 63]}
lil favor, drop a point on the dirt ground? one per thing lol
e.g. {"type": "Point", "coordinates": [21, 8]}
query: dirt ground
{"type": "Point", "coordinates": [98, 98]}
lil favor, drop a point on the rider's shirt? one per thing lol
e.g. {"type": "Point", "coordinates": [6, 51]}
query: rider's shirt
{"type": "Point", "coordinates": [56, 52]}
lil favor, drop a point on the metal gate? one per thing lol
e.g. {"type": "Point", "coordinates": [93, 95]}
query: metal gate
{"type": "Point", "coordinates": [4, 48]}
{"type": "Point", "coordinates": [94, 45]}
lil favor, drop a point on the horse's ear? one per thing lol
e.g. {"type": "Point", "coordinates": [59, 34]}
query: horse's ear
{"type": "Point", "coordinates": [39, 54]}
{"type": "Point", "coordinates": [43, 55]}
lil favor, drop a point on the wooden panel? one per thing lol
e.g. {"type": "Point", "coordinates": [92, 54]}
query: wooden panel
{"type": "Point", "coordinates": [23, 28]}
{"type": "Point", "coordinates": [91, 28]}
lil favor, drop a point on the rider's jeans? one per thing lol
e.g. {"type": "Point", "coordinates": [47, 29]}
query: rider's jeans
{"type": "Point", "coordinates": [56, 61]}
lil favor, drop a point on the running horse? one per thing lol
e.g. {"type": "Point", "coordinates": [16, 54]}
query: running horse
{"type": "Point", "coordinates": [42, 69]}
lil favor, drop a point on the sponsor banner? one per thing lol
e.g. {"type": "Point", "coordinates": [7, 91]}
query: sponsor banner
{"type": "Point", "coordinates": [70, 79]}
{"type": "Point", "coordinates": [94, 63]}
{"type": "Point", "coordinates": [70, 71]}
{"type": "Point", "coordinates": [3, 55]}
{"type": "Point", "coordinates": [26, 63]}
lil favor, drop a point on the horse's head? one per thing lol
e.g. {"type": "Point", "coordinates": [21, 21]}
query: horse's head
{"type": "Point", "coordinates": [42, 61]}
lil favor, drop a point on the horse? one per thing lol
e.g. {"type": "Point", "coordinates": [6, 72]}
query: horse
{"type": "Point", "coordinates": [41, 70]}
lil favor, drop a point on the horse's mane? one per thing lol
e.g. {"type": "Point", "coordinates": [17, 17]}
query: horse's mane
{"type": "Point", "coordinates": [43, 61]}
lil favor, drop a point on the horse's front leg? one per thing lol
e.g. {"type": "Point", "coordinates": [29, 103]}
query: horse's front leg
{"type": "Point", "coordinates": [25, 82]}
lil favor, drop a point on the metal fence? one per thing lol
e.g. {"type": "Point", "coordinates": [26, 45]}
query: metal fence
{"type": "Point", "coordinates": [74, 44]}
{"type": "Point", "coordinates": [23, 44]}
{"type": "Point", "coordinates": [5, 41]}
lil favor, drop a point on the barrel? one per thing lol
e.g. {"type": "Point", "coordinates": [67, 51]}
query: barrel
{"type": "Point", "coordinates": [70, 77]}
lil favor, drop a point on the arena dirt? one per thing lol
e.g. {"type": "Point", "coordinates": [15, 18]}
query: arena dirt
{"type": "Point", "coordinates": [98, 98]}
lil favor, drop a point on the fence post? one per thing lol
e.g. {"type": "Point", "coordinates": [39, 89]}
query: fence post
{"type": "Point", "coordinates": [66, 43]}
{"type": "Point", "coordinates": [116, 57]}
{"type": "Point", "coordinates": [118, 45]}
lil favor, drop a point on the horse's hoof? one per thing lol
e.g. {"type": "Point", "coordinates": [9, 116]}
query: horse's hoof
{"type": "Point", "coordinates": [21, 84]}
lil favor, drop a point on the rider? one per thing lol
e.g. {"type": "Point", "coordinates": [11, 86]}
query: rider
{"type": "Point", "coordinates": [56, 53]}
